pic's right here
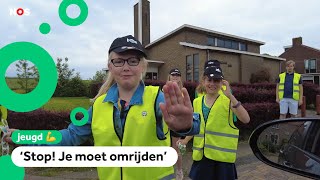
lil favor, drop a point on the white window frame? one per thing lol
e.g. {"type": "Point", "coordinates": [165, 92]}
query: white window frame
{"type": "Point", "coordinates": [307, 62]}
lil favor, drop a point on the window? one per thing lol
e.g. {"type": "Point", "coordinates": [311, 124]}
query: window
{"type": "Point", "coordinates": [227, 44]}
{"type": "Point", "coordinates": [235, 45]}
{"type": "Point", "coordinates": [310, 66]}
{"type": "Point", "coordinates": [243, 47]}
{"type": "Point", "coordinates": [151, 76]}
{"type": "Point", "coordinates": [148, 76]}
{"type": "Point", "coordinates": [189, 68]}
{"type": "Point", "coordinates": [196, 67]}
{"type": "Point", "coordinates": [220, 43]}
{"type": "Point", "coordinates": [192, 67]}
{"type": "Point", "coordinates": [211, 41]}
{"type": "Point", "coordinates": [155, 76]}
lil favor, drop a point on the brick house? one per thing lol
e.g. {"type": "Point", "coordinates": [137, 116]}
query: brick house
{"type": "Point", "coordinates": [188, 47]}
{"type": "Point", "coordinates": [307, 60]}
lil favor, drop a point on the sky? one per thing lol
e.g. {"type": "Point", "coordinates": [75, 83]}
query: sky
{"type": "Point", "coordinates": [274, 22]}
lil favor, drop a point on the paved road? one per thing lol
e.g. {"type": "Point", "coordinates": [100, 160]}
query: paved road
{"type": "Point", "coordinates": [248, 167]}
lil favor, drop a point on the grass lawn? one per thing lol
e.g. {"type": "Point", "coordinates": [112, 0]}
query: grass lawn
{"type": "Point", "coordinates": [14, 85]}
{"type": "Point", "coordinates": [66, 103]}
{"type": "Point", "coordinates": [55, 103]}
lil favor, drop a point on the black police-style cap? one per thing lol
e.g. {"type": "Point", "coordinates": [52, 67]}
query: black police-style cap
{"type": "Point", "coordinates": [175, 71]}
{"type": "Point", "coordinates": [212, 62]}
{"type": "Point", "coordinates": [126, 43]}
{"type": "Point", "coordinates": [213, 72]}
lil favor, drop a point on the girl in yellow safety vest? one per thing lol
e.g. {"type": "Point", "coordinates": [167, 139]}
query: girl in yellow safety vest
{"type": "Point", "coordinates": [214, 148]}
{"type": "Point", "coordinates": [125, 112]}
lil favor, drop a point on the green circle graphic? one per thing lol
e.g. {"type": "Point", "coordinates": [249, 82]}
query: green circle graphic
{"type": "Point", "coordinates": [44, 28]}
{"type": "Point", "coordinates": [8, 170]}
{"type": "Point", "coordinates": [47, 81]}
{"type": "Point", "coordinates": [85, 118]}
{"type": "Point", "coordinates": [73, 21]}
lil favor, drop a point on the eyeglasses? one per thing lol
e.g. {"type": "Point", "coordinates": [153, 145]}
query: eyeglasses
{"type": "Point", "coordinates": [119, 62]}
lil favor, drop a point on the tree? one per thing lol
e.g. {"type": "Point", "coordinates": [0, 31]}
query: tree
{"type": "Point", "coordinates": [25, 74]}
{"type": "Point", "coordinates": [75, 87]}
{"type": "Point", "coordinates": [261, 76]}
{"type": "Point", "coordinates": [64, 75]}
{"type": "Point", "coordinates": [99, 77]}
{"type": "Point", "coordinates": [69, 85]}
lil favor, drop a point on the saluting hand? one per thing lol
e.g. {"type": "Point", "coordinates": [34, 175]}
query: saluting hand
{"type": "Point", "coordinates": [226, 92]}
{"type": "Point", "coordinates": [177, 111]}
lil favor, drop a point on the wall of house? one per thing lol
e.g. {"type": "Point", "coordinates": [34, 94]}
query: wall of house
{"type": "Point", "coordinates": [252, 64]}
{"type": "Point", "coordinates": [274, 68]}
{"type": "Point", "coordinates": [230, 64]}
{"type": "Point", "coordinates": [253, 48]}
{"type": "Point", "coordinates": [299, 53]}
{"type": "Point", "coordinates": [170, 52]}
{"type": "Point", "coordinates": [236, 67]}
{"type": "Point", "coordinates": [249, 64]}
{"type": "Point", "coordinates": [195, 37]}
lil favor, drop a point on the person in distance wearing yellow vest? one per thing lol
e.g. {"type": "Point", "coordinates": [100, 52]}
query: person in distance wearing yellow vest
{"type": "Point", "coordinates": [128, 113]}
{"type": "Point", "coordinates": [175, 76]}
{"type": "Point", "coordinates": [289, 91]}
{"type": "Point", "coordinates": [215, 147]}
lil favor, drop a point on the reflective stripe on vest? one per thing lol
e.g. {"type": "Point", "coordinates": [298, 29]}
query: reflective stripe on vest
{"type": "Point", "coordinates": [296, 86]}
{"type": "Point", "coordinates": [217, 140]}
{"type": "Point", "coordinates": [139, 130]}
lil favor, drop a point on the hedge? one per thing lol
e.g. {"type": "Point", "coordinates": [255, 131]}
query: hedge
{"type": "Point", "coordinates": [258, 99]}
{"type": "Point", "coordinates": [39, 120]}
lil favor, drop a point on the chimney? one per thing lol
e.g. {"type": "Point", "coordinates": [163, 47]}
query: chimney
{"type": "Point", "coordinates": [145, 22]}
{"type": "Point", "coordinates": [297, 41]}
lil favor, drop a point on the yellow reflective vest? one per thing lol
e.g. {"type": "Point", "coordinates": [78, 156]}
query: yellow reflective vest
{"type": "Point", "coordinates": [296, 87]}
{"type": "Point", "coordinates": [139, 130]}
{"type": "Point", "coordinates": [3, 113]}
{"type": "Point", "coordinates": [218, 137]}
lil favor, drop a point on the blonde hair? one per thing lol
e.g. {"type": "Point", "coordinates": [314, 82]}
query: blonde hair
{"type": "Point", "coordinates": [200, 88]}
{"type": "Point", "coordinates": [179, 83]}
{"type": "Point", "coordinates": [110, 80]}
{"type": "Point", "coordinates": [290, 62]}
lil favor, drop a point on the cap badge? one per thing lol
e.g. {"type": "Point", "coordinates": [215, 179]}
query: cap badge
{"type": "Point", "coordinates": [132, 41]}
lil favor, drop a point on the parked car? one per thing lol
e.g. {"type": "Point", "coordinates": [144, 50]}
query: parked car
{"type": "Point", "coordinates": [300, 154]}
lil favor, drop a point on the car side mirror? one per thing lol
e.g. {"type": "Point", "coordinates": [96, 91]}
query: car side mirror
{"type": "Point", "coordinates": [291, 145]}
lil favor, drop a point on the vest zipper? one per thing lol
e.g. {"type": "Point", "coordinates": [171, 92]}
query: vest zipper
{"type": "Point", "coordinates": [205, 122]}
{"type": "Point", "coordinates": [124, 125]}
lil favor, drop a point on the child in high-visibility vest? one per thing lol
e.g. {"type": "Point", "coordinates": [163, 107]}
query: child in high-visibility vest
{"type": "Point", "coordinates": [214, 148]}
{"type": "Point", "coordinates": [125, 112]}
